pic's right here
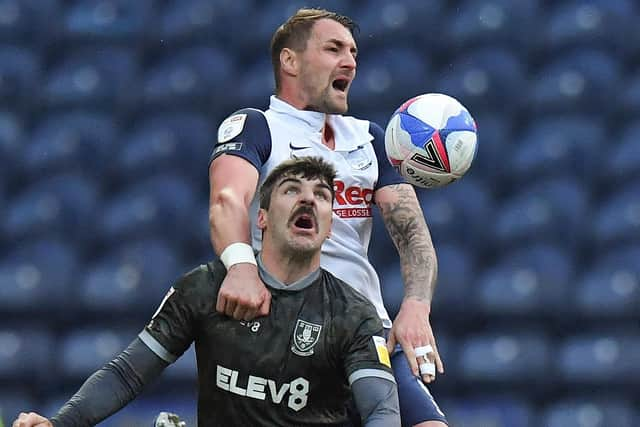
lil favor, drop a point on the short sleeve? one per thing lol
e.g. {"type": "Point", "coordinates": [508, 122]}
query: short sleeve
{"type": "Point", "coordinates": [245, 134]}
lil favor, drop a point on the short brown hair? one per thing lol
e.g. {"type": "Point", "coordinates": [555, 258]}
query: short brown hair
{"type": "Point", "coordinates": [305, 167]}
{"type": "Point", "coordinates": [295, 32]}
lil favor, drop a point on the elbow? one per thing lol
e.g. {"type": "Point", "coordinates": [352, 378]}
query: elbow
{"type": "Point", "coordinates": [225, 204]}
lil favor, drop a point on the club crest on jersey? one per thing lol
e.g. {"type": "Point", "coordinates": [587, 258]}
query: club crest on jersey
{"type": "Point", "coordinates": [305, 337]}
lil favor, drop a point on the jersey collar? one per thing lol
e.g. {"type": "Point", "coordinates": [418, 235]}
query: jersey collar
{"type": "Point", "coordinates": [274, 283]}
{"type": "Point", "coordinates": [313, 119]}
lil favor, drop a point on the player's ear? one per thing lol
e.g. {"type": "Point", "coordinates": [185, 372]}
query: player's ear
{"type": "Point", "coordinates": [262, 219]}
{"type": "Point", "coordinates": [289, 61]}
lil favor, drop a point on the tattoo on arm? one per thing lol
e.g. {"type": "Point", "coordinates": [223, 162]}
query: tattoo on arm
{"type": "Point", "coordinates": [408, 230]}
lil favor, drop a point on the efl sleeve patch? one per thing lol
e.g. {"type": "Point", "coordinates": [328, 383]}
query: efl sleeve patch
{"type": "Point", "coordinates": [381, 349]}
{"type": "Point", "coordinates": [231, 127]}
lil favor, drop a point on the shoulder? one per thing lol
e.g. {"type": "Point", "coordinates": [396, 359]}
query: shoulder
{"type": "Point", "coordinates": [245, 120]}
{"type": "Point", "coordinates": [345, 298]}
{"type": "Point", "coordinates": [201, 280]}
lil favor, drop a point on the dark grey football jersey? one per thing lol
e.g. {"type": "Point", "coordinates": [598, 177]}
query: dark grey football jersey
{"type": "Point", "coordinates": [292, 367]}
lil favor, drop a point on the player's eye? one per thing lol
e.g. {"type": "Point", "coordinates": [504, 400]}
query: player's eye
{"type": "Point", "coordinates": [291, 190]}
{"type": "Point", "coordinates": [322, 195]}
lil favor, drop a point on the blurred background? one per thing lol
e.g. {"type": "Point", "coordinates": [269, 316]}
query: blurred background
{"type": "Point", "coordinates": [109, 110]}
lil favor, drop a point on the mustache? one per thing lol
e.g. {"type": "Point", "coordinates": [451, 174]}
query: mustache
{"type": "Point", "coordinates": [303, 210]}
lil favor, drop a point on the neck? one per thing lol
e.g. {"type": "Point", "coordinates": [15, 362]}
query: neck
{"type": "Point", "coordinates": [289, 268]}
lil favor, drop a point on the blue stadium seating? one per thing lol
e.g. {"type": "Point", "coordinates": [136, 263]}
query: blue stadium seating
{"type": "Point", "coordinates": [26, 355]}
{"type": "Point", "coordinates": [35, 277]}
{"type": "Point", "coordinates": [592, 23]}
{"type": "Point", "coordinates": [610, 287]}
{"type": "Point", "coordinates": [20, 73]}
{"type": "Point", "coordinates": [78, 141]}
{"type": "Point", "coordinates": [513, 358]}
{"type": "Point", "coordinates": [390, 77]}
{"type": "Point", "coordinates": [111, 20]}
{"type": "Point", "coordinates": [593, 412]}
{"type": "Point", "coordinates": [94, 78]}
{"type": "Point", "coordinates": [532, 282]}
{"type": "Point", "coordinates": [164, 143]}
{"type": "Point", "coordinates": [501, 22]}
{"type": "Point", "coordinates": [459, 212]}
{"type": "Point", "coordinates": [617, 220]}
{"type": "Point", "coordinates": [622, 162]}
{"type": "Point", "coordinates": [130, 279]}
{"type": "Point", "coordinates": [12, 135]}
{"type": "Point", "coordinates": [551, 210]}
{"type": "Point", "coordinates": [62, 205]}
{"type": "Point", "coordinates": [256, 88]}
{"type": "Point", "coordinates": [577, 81]}
{"type": "Point", "coordinates": [495, 411]}
{"type": "Point", "coordinates": [83, 351]}
{"type": "Point", "coordinates": [557, 145]}
{"type": "Point", "coordinates": [487, 77]}
{"type": "Point", "coordinates": [12, 402]}
{"type": "Point", "coordinates": [157, 205]}
{"type": "Point", "coordinates": [194, 77]}
{"type": "Point", "coordinates": [457, 271]}
{"type": "Point", "coordinates": [28, 21]}
{"type": "Point", "coordinates": [595, 358]}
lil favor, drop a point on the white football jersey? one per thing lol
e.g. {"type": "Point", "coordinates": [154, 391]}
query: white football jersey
{"type": "Point", "coordinates": [282, 132]}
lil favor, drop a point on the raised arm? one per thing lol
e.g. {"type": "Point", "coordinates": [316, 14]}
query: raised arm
{"type": "Point", "coordinates": [408, 230]}
{"type": "Point", "coordinates": [232, 182]}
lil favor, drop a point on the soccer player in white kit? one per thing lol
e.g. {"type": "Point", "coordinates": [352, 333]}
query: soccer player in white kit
{"type": "Point", "coordinates": [314, 58]}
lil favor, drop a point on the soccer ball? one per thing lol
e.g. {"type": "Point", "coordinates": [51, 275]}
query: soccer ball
{"type": "Point", "coordinates": [431, 140]}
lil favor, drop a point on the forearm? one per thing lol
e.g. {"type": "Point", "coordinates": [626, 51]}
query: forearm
{"type": "Point", "coordinates": [408, 230]}
{"type": "Point", "coordinates": [377, 402]}
{"type": "Point", "coordinates": [228, 221]}
{"type": "Point", "coordinates": [111, 388]}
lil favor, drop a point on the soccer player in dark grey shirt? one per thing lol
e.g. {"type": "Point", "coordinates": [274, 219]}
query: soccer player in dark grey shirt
{"type": "Point", "coordinates": [321, 343]}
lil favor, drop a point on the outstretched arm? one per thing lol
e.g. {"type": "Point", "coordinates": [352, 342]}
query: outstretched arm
{"type": "Point", "coordinates": [408, 230]}
{"type": "Point", "coordinates": [233, 181]}
{"type": "Point", "coordinates": [106, 391]}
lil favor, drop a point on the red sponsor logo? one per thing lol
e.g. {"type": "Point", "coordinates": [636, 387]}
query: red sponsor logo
{"type": "Point", "coordinates": [357, 198]}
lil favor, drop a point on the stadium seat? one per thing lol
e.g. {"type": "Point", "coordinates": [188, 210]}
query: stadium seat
{"type": "Point", "coordinates": [131, 279]}
{"type": "Point", "coordinates": [591, 412]}
{"type": "Point", "coordinates": [617, 220]}
{"type": "Point", "coordinates": [456, 278]}
{"type": "Point", "coordinates": [160, 205]}
{"type": "Point", "coordinates": [76, 141]}
{"type": "Point", "coordinates": [622, 163]}
{"type": "Point", "coordinates": [511, 359]}
{"type": "Point", "coordinates": [493, 22]}
{"type": "Point", "coordinates": [610, 287]}
{"type": "Point", "coordinates": [495, 411]}
{"type": "Point", "coordinates": [403, 21]}
{"type": "Point", "coordinates": [600, 358]}
{"type": "Point", "coordinates": [62, 205]}
{"type": "Point", "coordinates": [119, 21]}
{"type": "Point", "coordinates": [25, 356]}
{"type": "Point", "coordinates": [36, 276]}
{"type": "Point", "coordinates": [12, 402]}
{"type": "Point", "coordinates": [495, 140]}
{"type": "Point", "coordinates": [557, 146]}
{"type": "Point", "coordinates": [256, 88]}
{"type": "Point", "coordinates": [549, 210]}
{"type": "Point", "coordinates": [531, 282]}
{"type": "Point", "coordinates": [592, 23]}
{"type": "Point", "coordinates": [83, 351]}
{"type": "Point", "coordinates": [194, 21]}
{"type": "Point", "coordinates": [627, 95]}
{"type": "Point", "coordinates": [12, 136]}
{"type": "Point", "coordinates": [29, 21]}
{"type": "Point", "coordinates": [458, 212]}
{"type": "Point", "coordinates": [581, 80]}
{"type": "Point", "coordinates": [20, 75]}
{"type": "Point", "coordinates": [164, 143]}
{"type": "Point", "coordinates": [94, 78]}
{"type": "Point", "coordinates": [192, 77]}
{"type": "Point", "coordinates": [487, 77]}
{"type": "Point", "coordinates": [389, 78]}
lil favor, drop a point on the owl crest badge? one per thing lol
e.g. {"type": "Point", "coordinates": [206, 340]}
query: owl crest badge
{"type": "Point", "coordinates": [305, 337]}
